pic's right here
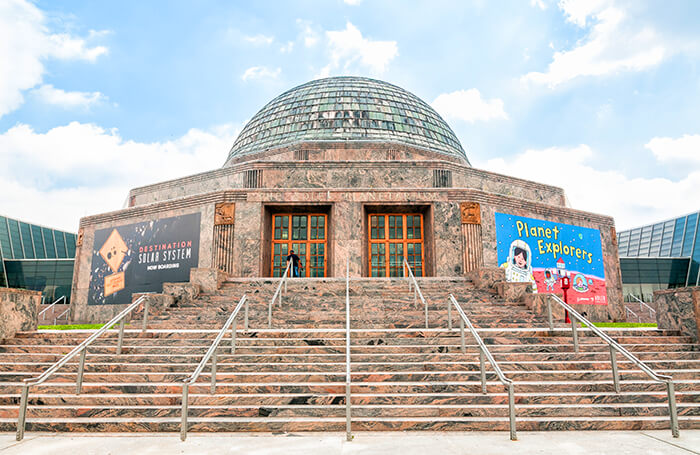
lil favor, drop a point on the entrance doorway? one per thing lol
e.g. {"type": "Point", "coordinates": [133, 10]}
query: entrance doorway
{"type": "Point", "coordinates": [306, 234]}
{"type": "Point", "coordinates": [393, 236]}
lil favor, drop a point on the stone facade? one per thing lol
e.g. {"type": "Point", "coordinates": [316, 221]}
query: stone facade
{"type": "Point", "coordinates": [18, 311]}
{"type": "Point", "coordinates": [347, 181]}
{"type": "Point", "coordinates": [679, 309]}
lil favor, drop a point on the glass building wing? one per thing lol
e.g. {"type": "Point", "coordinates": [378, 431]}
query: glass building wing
{"type": "Point", "coordinates": [675, 238]}
{"type": "Point", "coordinates": [36, 257]}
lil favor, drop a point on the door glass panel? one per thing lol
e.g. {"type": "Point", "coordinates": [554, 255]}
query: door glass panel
{"type": "Point", "coordinates": [305, 234]}
{"type": "Point", "coordinates": [393, 237]}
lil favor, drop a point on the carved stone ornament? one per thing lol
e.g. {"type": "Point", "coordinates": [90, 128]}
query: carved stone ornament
{"type": "Point", "coordinates": [224, 213]}
{"type": "Point", "coordinates": [471, 212]}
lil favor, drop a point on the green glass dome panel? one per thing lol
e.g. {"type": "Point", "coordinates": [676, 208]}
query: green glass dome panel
{"type": "Point", "coordinates": [347, 109]}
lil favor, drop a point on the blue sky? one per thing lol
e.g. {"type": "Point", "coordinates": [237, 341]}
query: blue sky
{"type": "Point", "coordinates": [601, 97]}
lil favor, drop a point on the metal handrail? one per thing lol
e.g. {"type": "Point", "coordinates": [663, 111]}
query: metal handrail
{"type": "Point", "coordinates": [55, 319]}
{"type": "Point", "coordinates": [483, 352]}
{"type": "Point", "coordinates": [278, 293]}
{"type": "Point", "coordinates": [651, 310]}
{"type": "Point", "coordinates": [614, 348]}
{"type": "Point", "coordinates": [63, 297]}
{"type": "Point", "coordinates": [416, 290]}
{"type": "Point", "coordinates": [82, 350]}
{"type": "Point", "coordinates": [629, 310]}
{"type": "Point", "coordinates": [348, 379]}
{"type": "Point", "coordinates": [211, 354]}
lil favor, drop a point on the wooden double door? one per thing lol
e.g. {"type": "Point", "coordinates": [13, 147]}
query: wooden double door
{"type": "Point", "coordinates": [306, 235]}
{"type": "Point", "coordinates": [393, 236]}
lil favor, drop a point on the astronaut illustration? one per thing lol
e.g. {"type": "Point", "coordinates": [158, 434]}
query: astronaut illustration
{"type": "Point", "coordinates": [518, 266]}
{"type": "Point", "coordinates": [549, 280]}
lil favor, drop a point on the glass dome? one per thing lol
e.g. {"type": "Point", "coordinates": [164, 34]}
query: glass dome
{"type": "Point", "coordinates": [347, 109]}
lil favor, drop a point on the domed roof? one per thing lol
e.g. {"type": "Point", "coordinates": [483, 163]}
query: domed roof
{"type": "Point", "coordinates": [347, 108]}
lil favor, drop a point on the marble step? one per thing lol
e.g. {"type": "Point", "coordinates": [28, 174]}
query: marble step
{"type": "Point", "coordinates": [419, 387]}
{"type": "Point", "coordinates": [336, 424]}
{"type": "Point", "coordinates": [264, 399]}
{"type": "Point", "coordinates": [453, 347]}
{"type": "Point", "coordinates": [261, 366]}
{"type": "Point", "coordinates": [227, 375]}
{"type": "Point", "coordinates": [358, 410]}
{"type": "Point", "coordinates": [244, 339]}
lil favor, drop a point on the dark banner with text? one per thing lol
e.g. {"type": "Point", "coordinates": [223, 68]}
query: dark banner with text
{"type": "Point", "coordinates": [140, 257]}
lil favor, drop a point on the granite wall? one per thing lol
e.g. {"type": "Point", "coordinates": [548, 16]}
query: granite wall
{"type": "Point", "coordinates": [18, 311]}
{"type": "Point", "coordinates": [679, 309]}
{"type": "Point", "coordinates": [347, 209]}
{"type": "Point", "coordinates": [417, 173]}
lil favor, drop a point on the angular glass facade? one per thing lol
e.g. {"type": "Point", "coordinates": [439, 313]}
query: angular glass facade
{"type": "Point", "coordinates": [37, 258]}
{"type": "Point", "coordinates": [677, 239]}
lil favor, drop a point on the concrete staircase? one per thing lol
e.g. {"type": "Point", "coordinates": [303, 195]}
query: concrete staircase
{"type": "Point", "coordinates": [405, 377]}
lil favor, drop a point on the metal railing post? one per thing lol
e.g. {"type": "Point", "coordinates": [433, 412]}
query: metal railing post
{"type": "Point", "coordinates": [22, 412]}
{"type": "Point", "coordinates": [348, 377]}
{"type": "Point", "coordinates": [426, 315]}
{"type": "Point", "coordinates": [574, 332]}
{"type": "Point", "coordinates": [145, 316]}
{"type": "Point", "coordinates": [233, 336]}
{"type": "Point", "coordinates": [461, 335]}
{"type": "Point", "coordinates": [549, 315]}
{"type": "Point", "coordinates": [449, 315]}
{"type": "Point", "coordinates": [245, 316]}
{"type": "Point", "coordinates": [120, 340]}
{"type": "Point", "coordinates": [415, 296]}
{"type": "Point", "coordinates": [511, 412]}
{"type": "Point", "coordinates": [615, 373]}
{"type": "Point", "coordinates": [81, 369]}
{"type": "Point", "coordinates": [348, 413]}
{"type": "Point", "coordinates": [183, 424]}
{"type": "Point", "coordinates": [213, 373]}
{"type": "Point", "coordinates": [269, 315]}
{"type": "Point", "coordinates": [482, 364]}
{"type": "Point", "coordinates": [672, 408]}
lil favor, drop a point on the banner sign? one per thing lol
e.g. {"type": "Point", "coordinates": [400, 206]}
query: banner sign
{"type": "Point", "coordinates": [540, 252]}
{"type": "Point", "coordinates": [140, 257]}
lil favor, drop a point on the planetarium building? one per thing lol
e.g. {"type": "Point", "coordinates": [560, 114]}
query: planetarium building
{"type": "Point", "coordinates": [346, 169]}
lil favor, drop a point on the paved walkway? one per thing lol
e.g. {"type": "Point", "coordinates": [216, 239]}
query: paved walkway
{"type": "Point", "coordinates": [477, 443]}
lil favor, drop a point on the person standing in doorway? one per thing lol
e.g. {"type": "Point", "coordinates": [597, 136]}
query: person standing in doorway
{"type": "Point", "coordinates": [295, 263]}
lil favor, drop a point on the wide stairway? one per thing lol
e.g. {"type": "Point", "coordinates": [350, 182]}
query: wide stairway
{"type": "Point", "coordinates": [404, 377]}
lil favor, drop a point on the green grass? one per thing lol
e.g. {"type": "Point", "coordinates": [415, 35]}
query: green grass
{"type": "Point", "coordinates": [75, 327]}
{"type": "Point", "coordinates": [622, 324]}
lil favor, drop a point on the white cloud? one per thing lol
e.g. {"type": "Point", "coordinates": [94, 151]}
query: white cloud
{"type": "Point", "coordinates": [308, 34]}
{"type": "Point", "coordinates": [352, 2]}
{"type": "Point", "coordinates": [538, 3]}
{"type": "Point", "coordinates": [259, 40]}
{"type": "Point", "coordinates": [614, 44]}
{"type": "Point", "coordinates": [287, 48]}
{"type": "Point", "coordinates": [260, 72]}
{"type": "Point", "coordinates": [683, 150]}
{"type": "Point", "coordinates": [348, 49]}
{"type": "Point", "coordinates": [64, 46]}
{"type": "Point", "coordinates": [51, 95]}
{"type": "Point", "coordinates": [631, 201]}
{"type": "Point", "coordinates": [54, 178]}
{"type": "Point", "coordinates": [467, 105]}
{"type": "Point", "coordinates": [25, 44]}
